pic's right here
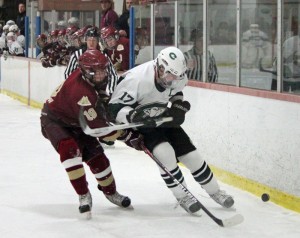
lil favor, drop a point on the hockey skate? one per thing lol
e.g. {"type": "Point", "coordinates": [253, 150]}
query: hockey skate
{"type": "Point", "coordinates": [85, 204]}
{"type": "Point", "coordinates": [188, 204]}
{"type": "Point", "coordinates": [223, 199]}
{"type": "Point", "coordinates": [107, 144]}
{"type": "Point", "coordinates": [119, 200]}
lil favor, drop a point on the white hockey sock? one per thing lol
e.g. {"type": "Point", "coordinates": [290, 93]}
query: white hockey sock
{"type": "Point", "coordinates": [200, 171]}
{"type": "Point", "coordinates": [165, 153]}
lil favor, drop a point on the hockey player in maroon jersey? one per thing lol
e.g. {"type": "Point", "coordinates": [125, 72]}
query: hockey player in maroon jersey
{"type": "Point", "coordinates": [85, 88]}
{"type": "Point", "coordinates": [116, 47]}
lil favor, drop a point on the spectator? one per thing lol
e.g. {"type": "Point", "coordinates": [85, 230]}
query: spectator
{"type": "Point", "coordinates": [255, 45]}
{"type": "Point", "coordinates": [163, 18]}
{"type": "Point", "coordinates": [194, 58]}
{"type": "Point", "coordinates": [291, 64]}
{"type": "Point", "coordinates": [123, 21]}
{"type": "Point", "coordinates": [116, 47]}
{"type": "Point", "coordinates": [222, 36]}
{"type": "Point", "coordinates": [141, 40]}
{"type": "Point", "coordinates": [21, 18]}
{"type": "Point", "coordinates": [109, 16]}
{"type": "Point", "coordinates": [46, 27]}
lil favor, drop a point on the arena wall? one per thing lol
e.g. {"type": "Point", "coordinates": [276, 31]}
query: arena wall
{"type": "Point", "coordinates": [251, 142]}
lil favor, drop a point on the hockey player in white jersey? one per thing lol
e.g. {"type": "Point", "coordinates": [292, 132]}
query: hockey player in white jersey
{"type": "Point", "coordinates": [19, 38]}
{"type": "Point", "coordinates": [144, 93]}
{"type": "Point", "coordinates": [2, 42]}
{"type": "Point", "coordinates": [14, 47]}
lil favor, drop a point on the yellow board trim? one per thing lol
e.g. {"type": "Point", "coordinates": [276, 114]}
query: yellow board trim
{"type": "Point", "coordinates": [278, 197]}
{"type": "Point", "coordinates": [22, 99]}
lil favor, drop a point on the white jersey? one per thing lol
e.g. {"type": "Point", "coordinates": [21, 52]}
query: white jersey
{"type": "Point", "coordinates": [16, 49]}
{"type": "Point", "coordinates": [21, 40]}
{"type": "Point", "coordinates": [138, 90]}
{"type": "Point", "coordinates": [2, 43]}
{"type": "Point", "coordinates": [291, 57]}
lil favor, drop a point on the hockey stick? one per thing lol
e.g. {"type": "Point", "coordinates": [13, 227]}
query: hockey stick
{"type": "Point", "coordinates": [232, 221]}
{"type": "Point", "coordinates": [97, 132]}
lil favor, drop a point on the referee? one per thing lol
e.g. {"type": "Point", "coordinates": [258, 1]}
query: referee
{"type": "Point", "coordinates": [194, 58]}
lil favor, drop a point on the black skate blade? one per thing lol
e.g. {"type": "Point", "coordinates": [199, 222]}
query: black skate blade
{"type": "Point", "coordinates": [85, 211]}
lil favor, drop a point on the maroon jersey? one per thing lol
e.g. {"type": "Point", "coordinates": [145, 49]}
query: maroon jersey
{"type": "Point", "coordinates": [120, 54]}
{"type": "Point", "coordinates": [108, 18]}
{"type": "Point", "coordinates": [65, 103]}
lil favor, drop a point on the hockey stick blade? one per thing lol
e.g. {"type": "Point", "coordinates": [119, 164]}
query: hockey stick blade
{"type": "Point", "coordinates": [97, 132]}
{"type": "Point", "coordinates": [232, 221]}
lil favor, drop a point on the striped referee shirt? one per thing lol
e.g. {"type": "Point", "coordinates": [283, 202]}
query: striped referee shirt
{"type": "Point", "coordinates": [73, 64]}
{"type": "Point", "coordinates": [196, 72]}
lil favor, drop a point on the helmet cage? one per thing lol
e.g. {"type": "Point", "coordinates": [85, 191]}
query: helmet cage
{"type": "Point", "coordinates": [171, 66]}
{"type": "Point", "coordinates": [165, 78]}
{"type": "Point", "coordinates": [13, 28]}
{"type": "Point", "coordinates": [6, 29]}
{"type": "Point", "coordinates": [94, 64]}
{"type": "Point", "coordinates": [108, 33]}
{"type": "Point", "coordinates": [61, 37]}
{"type": "Point", "coordinates": [41, 41]}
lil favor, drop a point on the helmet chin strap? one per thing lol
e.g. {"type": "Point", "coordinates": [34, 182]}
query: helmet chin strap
{"type": "Point", "coordinates": [88, 81]}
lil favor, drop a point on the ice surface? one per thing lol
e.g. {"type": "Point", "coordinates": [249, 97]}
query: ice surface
{"type": "Point", "coordinates": [37, 200]}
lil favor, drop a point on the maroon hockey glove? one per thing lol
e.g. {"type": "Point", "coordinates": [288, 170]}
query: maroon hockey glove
{"type": "Point", "coordinates": [133, 139]}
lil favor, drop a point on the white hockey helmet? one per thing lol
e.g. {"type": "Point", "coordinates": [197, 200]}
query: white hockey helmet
{"type": "Point", "coordinates": [6, 28]}
{"type": "Point", "coordinates": [62, 25]}
{"type": "Point", "coordinates": [10, 38]}
{"type": "Point", "coordinates": [172, 59]}
{"type": "Point", "coordinates": [171, 66]}
{"type": "Point", "coordinates": [13, 28]}
{"type": "Point", "coordinates": [10, 22]}
{"type": "Point", "coordinates": [73, 21]}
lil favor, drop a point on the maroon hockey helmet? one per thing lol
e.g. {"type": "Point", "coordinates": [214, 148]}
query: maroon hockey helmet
{"type": "Point", "coordinates": [91, 62]}
{"type": "Point", "coordinates": [61, 36]}
{"type": "Point", "coordinates": [54, 33]}
{"type": "Point", "coordinates": [71, 30]}
{"type": "Point", "coordinates": [62, 32]}
{"type": "Point", "coordinates": [108, 33]}
{"type": "Point", "coordinates": [78, 38]}
{"type": "Point", "coordinates": [41, 41]}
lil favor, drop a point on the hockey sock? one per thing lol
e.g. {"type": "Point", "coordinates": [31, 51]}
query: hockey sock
{"type": "Point", "coordinates": [200, 171]}
{"type": "Point", "coordinates": [69, 157]}
{"type": "Point", "coordinates": [100, 167]}
{"type": "Point", "coordinates": [166, 154]}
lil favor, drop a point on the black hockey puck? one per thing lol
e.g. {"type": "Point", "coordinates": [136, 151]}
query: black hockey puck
{"type": "Point", "coordinates": [265, 197]}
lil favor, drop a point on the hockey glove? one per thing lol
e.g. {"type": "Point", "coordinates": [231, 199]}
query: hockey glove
{"type": "Point", "coordinates": [133, 139]}
{"type": "Point", "coordinates": [140, 116]}
{"type": "Point", "coordinates": [178, 111]}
